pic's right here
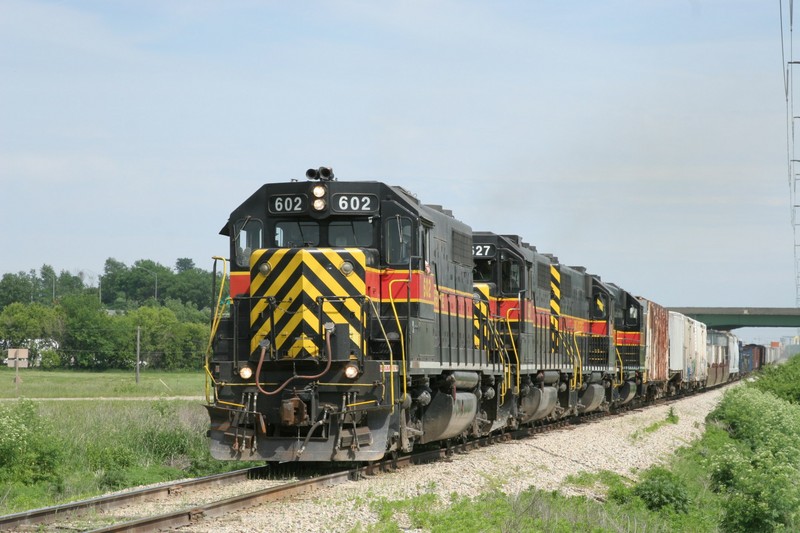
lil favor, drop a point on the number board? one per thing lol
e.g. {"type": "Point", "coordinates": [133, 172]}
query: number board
{"type": "Point", "coordinates": [288, 203]}
{"type": "Point", "coordinates": [483, 250]}
{"type": "Point", "coordinates": [354, 203]}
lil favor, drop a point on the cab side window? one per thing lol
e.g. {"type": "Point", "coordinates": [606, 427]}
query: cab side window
{"type": "Point", "coordinates": [249, 236]}
{"type": "Point", "coordinates": [600, 306]}
{"type": "Point", "coordinates": [511, 276]}
{"type": "Point", "coordinates": [399, 240]}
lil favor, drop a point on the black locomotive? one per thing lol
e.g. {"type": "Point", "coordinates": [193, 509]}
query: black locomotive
{"type": "Point", "coordinates": [362, 322]}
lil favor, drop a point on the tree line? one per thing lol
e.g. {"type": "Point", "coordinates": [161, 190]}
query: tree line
{"type": "Point", "coordinates": [90, 321]}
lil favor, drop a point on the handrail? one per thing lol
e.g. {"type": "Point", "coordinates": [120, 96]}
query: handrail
{"type": "Point", "coordinates": [621, 366]}
{"type": "Point", "coordinates": [214, 326]}
{"type": "Point", "coordinates": [574, 379]}
{"type": "Point", "coordinates": [400, 332]}
{"type": "Point", "coordinates": [501, 349]}
{"type": "Point", "coordinates": [511, 336]}
{"type": "Point", "coordinates": [579, 381]}
{"type": "Point", "coordinates": [389, 345]}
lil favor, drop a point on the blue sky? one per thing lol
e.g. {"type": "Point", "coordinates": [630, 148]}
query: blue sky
{"type": "Point", "coordinates": [643, 140]}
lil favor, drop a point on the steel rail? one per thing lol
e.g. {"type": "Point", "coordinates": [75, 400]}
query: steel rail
{"type": "Point", "coordinates": [47, 514]}
{"type": "Point", "coordinates": [191, 515]}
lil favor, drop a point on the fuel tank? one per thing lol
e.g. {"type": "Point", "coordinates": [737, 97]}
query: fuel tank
{"type": "Point", "coordinates": [538, 404]}
{"type": "Point", "coordinates": [626, 392]}
{"type": "Point", "coordinates": [448, 415]}
{"type": "Point", "coordinates": [592, 398]}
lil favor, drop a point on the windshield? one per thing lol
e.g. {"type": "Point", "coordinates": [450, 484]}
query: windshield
{"type": "Point", "coordinates": [301, 233]}
{"type": "Point", "coordinates": [483, 270]}
{"type": "Point", "coordinates": [350, 233]}
{"type": "Point", "coordinates": [291, 234]}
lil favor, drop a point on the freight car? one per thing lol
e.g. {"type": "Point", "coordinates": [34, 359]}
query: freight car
{"type": "Point", "coordinates": [361, 322]}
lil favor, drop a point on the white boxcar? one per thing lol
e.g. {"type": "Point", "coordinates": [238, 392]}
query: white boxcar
{"type": "Point", "coordinates": [687, 349]}
{"type": "Point", "coordinates": [733, 353]}
{"type": "Point", "coordinates": [771, 354]}
{"type": "Point", "coordinates": [676, 342]}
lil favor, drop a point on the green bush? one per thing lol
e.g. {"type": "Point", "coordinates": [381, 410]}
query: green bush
{"type": "Point", "coordinates": [50, 360]}
{"type": "Point", "coordinates": [783, 381]}
{"type": "Point", "coordinates": [660, 488]}
{"type": "Point", "coordinates": [30, 452]}
{"type": "Point", "coordinates": [757, 474]}
{"type": "Point", "coordinates": [105, 457]}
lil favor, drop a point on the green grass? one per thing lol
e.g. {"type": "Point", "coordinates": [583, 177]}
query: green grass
{"type": "Point", "coordinates": [54, 452]}
{"type": "Point", "coordinates": [530, 511]}
{"type": "Point", "coordinates": [671, 418]}
{"type": "Point", "coordinates": [57, 451]}
{"type": "Point", "coordinates": [741, 476]}
{"type": "Point", "coordinates": [112, 384]}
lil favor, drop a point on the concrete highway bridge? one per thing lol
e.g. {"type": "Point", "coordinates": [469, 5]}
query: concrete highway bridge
{"type": "Point", "coordinates": [727, 318]}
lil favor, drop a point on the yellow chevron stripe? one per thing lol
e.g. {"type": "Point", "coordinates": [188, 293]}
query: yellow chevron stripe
{"type": "Point", "coordinates": [256, 257]}
{"type": "Point", "coordinates": [285, 273]}
{"type": "Point", "coordinates": [480, 311]}
{"type": "Point", "coordinates": [317, 265]}
{"type": "Point", "coordinates": [556, 290]}
{"type": "Point", "coordinates": [334, 285]}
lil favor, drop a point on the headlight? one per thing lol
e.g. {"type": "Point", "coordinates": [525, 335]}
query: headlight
{"type": "Point", "coordinates": [318, 191]}
{"type": "Point", "coordinates": [319, 204]}
{"type": "Point", "coordinates": [346, 268]}
{"type": "Point", "coordinates": [351, 371]}
{"type": "Point", "coordinates": [246, 372]}
{"type": "Point", "coordinates": [264, 268]}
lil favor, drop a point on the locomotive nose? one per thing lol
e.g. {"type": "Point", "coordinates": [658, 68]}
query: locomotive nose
{"type": "Point", "coordinates": [302, 290]}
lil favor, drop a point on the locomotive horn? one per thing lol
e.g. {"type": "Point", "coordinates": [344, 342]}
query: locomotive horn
{"type": "Point", "coordinates": [312, 174]}
{"type": "Point", "coordinates": [326, 173]}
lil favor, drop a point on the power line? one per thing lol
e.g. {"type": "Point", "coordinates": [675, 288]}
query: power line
{"type": "Point", "coordinates": [791, 159]}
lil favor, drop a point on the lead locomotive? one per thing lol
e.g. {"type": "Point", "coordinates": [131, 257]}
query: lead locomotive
{"type": "Point", "coordinates": [361, 322]}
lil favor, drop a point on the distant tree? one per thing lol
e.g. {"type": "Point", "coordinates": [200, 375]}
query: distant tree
{"type": "Point", "coordinates": [193, 338]}
{"type": "Point", "coordinates": [88, 339]}
{"type": "Point", "coordinates": [17, 287]}
{"type": "Point", "coordinates": [175, 327]}
{"type": "Point", "coordinates": [188, 312]}
{"type": "Point", "coordinates": [145, 276]}
{"type": "Point", "coordinates": [114, 278]}
{"type": "Point", "coordinates": [165, 342]}
{"type": "Point", "coordinates": [47, 285]}
{"type": "Point", "coordinates": [191, 286]}
{"type": "Point", "coordinates": [33, 326]}
{"type": "Point", "coordinates": [183, 264]}
{"type": "Point", "coordinates": [69, 283]}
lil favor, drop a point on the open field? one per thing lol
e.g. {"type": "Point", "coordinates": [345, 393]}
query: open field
{"type": "Point", "coordinates": [111, 384]}
{"type": "Point", "coordinates": [57, 451]}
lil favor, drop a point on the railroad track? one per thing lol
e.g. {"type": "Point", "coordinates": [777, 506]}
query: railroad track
{"type": "Point", "coordinates": [114, 501]}
{"type": "Point", "coordinates": [73, 511]}
{"type": "Point", "coordinates": [193, 513]}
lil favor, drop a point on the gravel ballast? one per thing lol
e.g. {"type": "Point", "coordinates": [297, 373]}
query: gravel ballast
{"type": "Point", "coordinates": [617, 443]}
